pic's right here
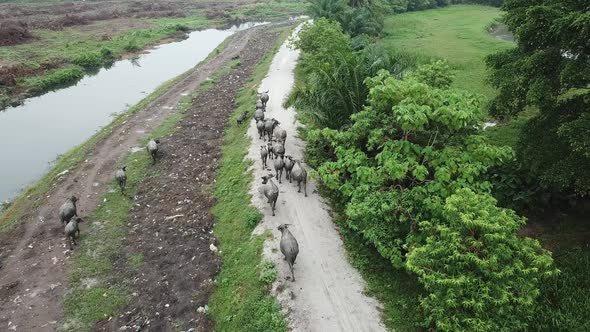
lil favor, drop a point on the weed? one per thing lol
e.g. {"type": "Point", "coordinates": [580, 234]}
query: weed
{"type": "Point", "coordinates": [268, 272]}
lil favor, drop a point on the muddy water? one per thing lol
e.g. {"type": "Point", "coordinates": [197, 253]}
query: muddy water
{"type": "Point", "coordinates": [34, 134]}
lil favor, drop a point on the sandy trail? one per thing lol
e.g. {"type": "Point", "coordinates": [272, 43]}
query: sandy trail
{"type": "Point", "coordinates": [34, 259]}
{"type": "Point", "coordinates": [328, 292]}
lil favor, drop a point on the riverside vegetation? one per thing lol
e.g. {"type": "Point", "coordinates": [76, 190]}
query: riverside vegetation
{"type": "Point", "coordinates": [413, 179]}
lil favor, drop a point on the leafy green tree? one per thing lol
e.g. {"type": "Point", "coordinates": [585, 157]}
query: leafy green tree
{"type": "Point", "coordinates": [413, 145]}
{"type": "Point", "coordinates": [334, 87]}
{"type": "Point", "coordinates": [330, 9]}
{"type": "Point", "coordinates": [438, 74]}
{"type": "Point", "coordinates": [409, 171]}
{"type": "Point", "coordinates": [480, 274]}
{"type": "Point", "coordinates": [548, 71]}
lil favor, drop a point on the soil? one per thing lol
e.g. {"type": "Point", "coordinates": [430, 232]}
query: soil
{"type": "Point", "coordinates": [172, 227]}
{"type": "Point", "coordinates": [328, 294]}
{"type": "Point", "coordinates": [58, 15]}
{"type": "Point", "coordinates": [34, 259]}
{"type": "Point", "coordinates": [12, 33]}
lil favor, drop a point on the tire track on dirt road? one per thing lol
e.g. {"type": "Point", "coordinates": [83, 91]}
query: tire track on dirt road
{"type": "Point", "coordinates": [33, 275]}
{"type": "Point", "coordinates": [328, 292]}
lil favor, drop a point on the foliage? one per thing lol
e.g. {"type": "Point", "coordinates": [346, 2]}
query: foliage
{"type": "Point", "coordinates": [411, 148]}
{"type": "Point", "coordinates": [412, 145]}
{"type": "Point", "coordinates": [55, 79]}
{"type": "Point", "coordinates": [268, 272]}
{"type": "Point", "coordinates": [329, 9]}
{"type": "Point", "coordinates": [480, 274]}
{"type": "Point", "coordinates": [548, 71]}
{"type": "Point", "coordinates": [89, 60]}
{"type": "Point", "coordinates": [334, 87]}
{"type": "Point", "coordinates": [362, 18]}
{"type": "Point", "coordinates": [564, 301]}
{"type": "Point", "coordinates": [437, 74]}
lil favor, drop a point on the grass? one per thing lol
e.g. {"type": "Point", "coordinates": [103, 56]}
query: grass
{"type": "Point", "coordinates": [397, 290]}
{"type": "Point", "coordinates": [564, 299]}
{"type": "Point", "coordinates": [241, 301]}
{"type": "Point", "coordinates": [456, 33]}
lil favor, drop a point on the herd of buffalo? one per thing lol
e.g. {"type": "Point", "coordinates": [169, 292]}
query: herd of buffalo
{"type": "Point", "coordinates": [268, 130]}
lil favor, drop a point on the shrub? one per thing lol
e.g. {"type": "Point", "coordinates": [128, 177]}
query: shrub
{"type": "Point", "coordinates": [480, 274]}
{"type": "Point", "coordinates": [56, 79]}
{"type": "Point", "coordinates": [89, 60]}
{"type": "Point", "coordinates": [436, 74]}
{"type": "Point", "coordinates": [268, 272]}
{"type": "Point", "coordinates": [406, 170]}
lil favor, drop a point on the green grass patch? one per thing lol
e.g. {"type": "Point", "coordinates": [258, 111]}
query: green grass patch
{"type": "Point", "coordinates": [456, 33]}
{"type": "Point", "coordinates": [564, 299]}
{"type": "Point", "coordinates": [55, 79]}
{"type": "Point", "coordinates": [241, 301]}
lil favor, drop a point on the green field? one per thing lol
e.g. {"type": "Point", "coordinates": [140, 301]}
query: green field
{"type": "Point", "coordinates": [455, 33]}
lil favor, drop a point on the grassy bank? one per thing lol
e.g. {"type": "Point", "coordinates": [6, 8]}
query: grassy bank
{"type": "Point", "coordinates": [456, 33]}
{"type": "Point", "coordinates": [93, 262]}
{"type": "Point", "coordinates": [59, 58]}
{"type": "Point", "coordinates": [241, 301]}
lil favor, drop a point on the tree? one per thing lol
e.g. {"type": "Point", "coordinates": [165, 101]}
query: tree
{"type": "Point", "coordinates": [548, 71]}
{"type": "Point", "coordinates": [480, 274]}
{"type": "Point", "coordinates": [410, 173]}
{"type": "Point", "coordinates": [334, 87]}
{"type": "Point", "coordinates": [330, 9]}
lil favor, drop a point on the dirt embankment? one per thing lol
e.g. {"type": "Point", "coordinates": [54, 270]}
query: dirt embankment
{"type": "Point", "coordinates": [33, 258]}
{"type": "Point", "coordinates": [173, 227]}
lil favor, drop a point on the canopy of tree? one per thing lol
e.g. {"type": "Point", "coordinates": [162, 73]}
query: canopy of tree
{"type": "Point", "coordinates": [549, 71]}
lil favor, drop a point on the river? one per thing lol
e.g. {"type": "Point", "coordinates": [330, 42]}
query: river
{"type": "Point", "coordinates": [34, 134]}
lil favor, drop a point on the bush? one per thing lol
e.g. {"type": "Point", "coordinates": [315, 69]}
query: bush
{"type": "Point", "coordinates": [89, 60]}
{"type": "Point", "coordinates": [268, 272]}
{"type": "Point", "coordinates": [436, 74]}
{"type": "Point", "coordinates": [412, 148]}
{"type": "Point", "coordinates": [480, 274]}
{"type": "Point", "coordinates": [56, 79]}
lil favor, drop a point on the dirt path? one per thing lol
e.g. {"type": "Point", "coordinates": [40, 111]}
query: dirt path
{"type": "Point", "coordinates": [172, 229]}
{"type": "Point", "coordinates": [328, 293]}
{"type": "Point", "coordinates": [34, 262]}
